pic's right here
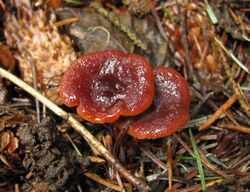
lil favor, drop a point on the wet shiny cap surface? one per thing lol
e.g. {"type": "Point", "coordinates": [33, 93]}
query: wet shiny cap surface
{"type": "Point", "coordinates": [106, 84]}
{"type": "Point", "coordinates": [169, 110]}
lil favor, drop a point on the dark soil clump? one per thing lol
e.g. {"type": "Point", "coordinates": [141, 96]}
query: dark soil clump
{"type": "Point", "coordinates": [53, 164]}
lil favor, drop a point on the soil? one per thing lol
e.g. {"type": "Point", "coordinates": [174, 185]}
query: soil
{"type": "Point", "coordinates": [54, 164]}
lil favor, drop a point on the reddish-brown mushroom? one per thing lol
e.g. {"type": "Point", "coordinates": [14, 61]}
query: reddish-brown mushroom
{"type": "Point", "coordinates": [169, 110]}
{"type": "Point", "coordinates": [107, 84]}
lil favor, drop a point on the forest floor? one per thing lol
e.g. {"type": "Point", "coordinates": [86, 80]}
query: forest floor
{"type": "Point", "coordinates": [208, 42]}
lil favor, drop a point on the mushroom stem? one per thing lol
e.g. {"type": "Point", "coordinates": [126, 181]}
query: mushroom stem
{"type": "Point", "coordinates": [92, 141]}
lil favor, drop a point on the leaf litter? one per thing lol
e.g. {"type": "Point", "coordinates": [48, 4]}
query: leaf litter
{"type": "Point", "coordinates": [50, 156]}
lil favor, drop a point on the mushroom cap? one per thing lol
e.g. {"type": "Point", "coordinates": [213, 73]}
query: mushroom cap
{"type": "Point", "coordinates": [169, 110]}
{"type": "Point", "coordinates": [106, 84]}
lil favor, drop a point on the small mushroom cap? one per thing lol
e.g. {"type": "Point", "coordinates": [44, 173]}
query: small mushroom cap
{"type": "Point", "coordinates": [169, 110]}
{"type": "Point", "coordinates": [106, 84]}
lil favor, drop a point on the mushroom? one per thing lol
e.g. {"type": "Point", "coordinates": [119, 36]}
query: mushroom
{"type": "Point", "coordinates": [107, 84]}
{"type": "Point", "coordinates": [169, 110]}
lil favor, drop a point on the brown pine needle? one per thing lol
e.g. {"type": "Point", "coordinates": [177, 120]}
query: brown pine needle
{"type": "Point", "coordinates": [188, 177]}
{"type": "Point", "coordinates": [5, 161]}
{"type": "Point", "coordinates": [169, 164]}
{"type": "Point", "coordinates": [219, 112]}
{"type": "Point", "coordinates": [17, 188]}
{"type": "Point", "coordinates": [231, 55]}
{"type": "Point", "coordinates": [29, 175]}
{"type": "Point", "coordinates": [245, 9]}
{"type": "Point", "coordinates": [2, 5]}
{"type": "Point", "coordinates": [66, 22]}
{"type": "Point", "coordinates": [240, 128]}
{"type": "Point", "coordinates": [91, 140]}
{"type": "Point", "coordinates": [156, 160]}
{"type": "Point", "coordinates": [211, 166]}
{"type": "Point", "coordinates": [103, 181]}
{"type": "Point", "coordinates": [157, 19]}
{"type": "Point", "coordinates": [203, 159]}
{"type": "Point", "coordinates": [230, 117]}
{"type": "Point", "coordinates": [63, 22]}
{"type": "Point", "coordinates": [95, 159]}
{"type": "Point", "coordinates": [190, 188]}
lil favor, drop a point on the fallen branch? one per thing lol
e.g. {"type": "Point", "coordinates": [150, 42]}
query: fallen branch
{"type": "Point", "coordinates": [92, 141]}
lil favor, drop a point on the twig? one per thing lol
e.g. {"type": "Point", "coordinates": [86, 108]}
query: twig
{"type": "Point", "coordinates": [92, 141]}
{"type": "Point", "coordinates": [219, 112]}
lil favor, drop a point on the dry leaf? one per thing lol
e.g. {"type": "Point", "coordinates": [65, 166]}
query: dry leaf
{"type": "Point", "coordinates": [6, 57]}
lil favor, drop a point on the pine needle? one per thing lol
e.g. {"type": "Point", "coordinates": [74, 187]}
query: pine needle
{"type": "Point", "coordinates": [168, 13]}
{"type": "Point", "coordinates": [74, 2]}
{"type": "Point", "coordinates": [199, 121]}
{"type": "Point", "coordinates": [230, 54]}
{"type": "Point", "coordinates": [220, 111]}
{"type": "Point", "coordinates": [210, 13]}
{"type": "Point", "coordinates": [74, 145]}
{"type": "Point", "coordinates": [198, 160]}
{"type": "Point", "coordinates": [102, 181]}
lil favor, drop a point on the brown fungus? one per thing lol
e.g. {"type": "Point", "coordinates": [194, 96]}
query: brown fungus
{"type": "Point", "coordinates": [107, 84]}
{"type": "Point", "coordinates": [169, 111]}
